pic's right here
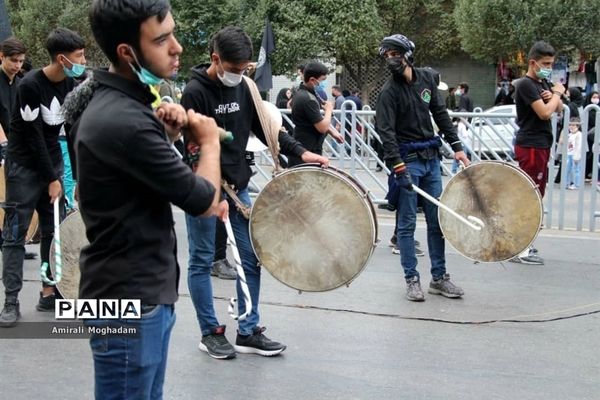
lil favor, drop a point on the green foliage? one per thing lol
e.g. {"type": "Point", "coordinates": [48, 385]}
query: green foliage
{"type": "Point", "coordinates": [196, 22]}
{"type": "Point", "coordinates": [32, 20]}
{"type": "Point", "coordinates": [299, 29]}
{"type": "Point", "coordinates": [494, 29]}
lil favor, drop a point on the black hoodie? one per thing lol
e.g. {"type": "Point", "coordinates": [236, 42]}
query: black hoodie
{"type": "Point", "coordinates": [234, 111]}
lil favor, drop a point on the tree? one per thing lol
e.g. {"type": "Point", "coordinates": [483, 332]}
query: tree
{"type": "Point", "coordinates": [32, 20]}
{"type": "Point", "coordinates": [349, 32]}
{"type": "Point", "coordinates": [197, 22]}
{"type": "Point", "coordinates": [506, 29]}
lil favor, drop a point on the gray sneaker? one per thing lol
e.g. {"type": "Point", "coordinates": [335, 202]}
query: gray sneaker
{"type": "Point", "coordinates": [216, 344]}
{"type": "Point", "coordinates": [10, 314]}
{"type": "Point", "coordinates": [531, 258]}
{"type": "Point", "coordinates": [444, 287]}
{"type": "Point", "coordinates": [413, 289]}
{"type": "Point", "coordinates": [222, 269]}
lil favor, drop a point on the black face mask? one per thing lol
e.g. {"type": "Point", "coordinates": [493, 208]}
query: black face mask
{"type": "Point", "coordinates": [396, 65]}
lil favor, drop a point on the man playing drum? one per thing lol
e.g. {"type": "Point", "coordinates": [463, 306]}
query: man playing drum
{"type": "Point", "coordinates": [217, 90]}
{"type": "Point", "coordinates": [412, 151]}
{"type": "Point", "coordinates": [34, 164]}
{"type": "Point", "coordinates": [128, 177]}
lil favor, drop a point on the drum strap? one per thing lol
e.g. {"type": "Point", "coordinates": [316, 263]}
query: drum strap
{"type": "Point", "coordinates": [270, 128]}
{"type": "Point", "coordinates": [239, 205]}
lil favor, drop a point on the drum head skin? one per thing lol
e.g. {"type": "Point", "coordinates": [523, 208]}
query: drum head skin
{"type": "Point", "coordinates": [313, 229]}
{"type": "Point", "coordinates": [504, 198]}
{"type": "Point", "coordinates": [73, 239]}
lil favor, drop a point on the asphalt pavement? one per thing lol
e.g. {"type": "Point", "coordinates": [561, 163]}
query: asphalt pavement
{"type": "Point", "coordinates": [520, 332]}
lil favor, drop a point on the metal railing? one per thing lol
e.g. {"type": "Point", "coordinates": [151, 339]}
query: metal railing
{"type": "Point", "coordinates": [491, 137]}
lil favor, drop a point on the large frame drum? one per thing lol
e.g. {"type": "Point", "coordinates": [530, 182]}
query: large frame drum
{"type": "Point", "coordinates": [73, 239]}
{"type": "Point", "coordinates": [504, 198]}
{"type": "Point", "coordinates": [314, 229]}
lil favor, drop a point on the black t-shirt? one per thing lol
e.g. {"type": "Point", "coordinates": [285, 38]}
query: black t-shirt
{"type": "Point", "coordinates": [8, 97]}
{"type": "Point", "coordinates": [306, 112]}
{"type": "Point", "coordinates": [36, 122]}
{"type": "Point", "coordinates": [533, 131]}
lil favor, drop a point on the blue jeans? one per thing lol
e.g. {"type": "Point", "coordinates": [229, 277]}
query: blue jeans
{"type": "Point", "coordinates": [426, 175]}
{"type": "Point", "coordinates": [573, 172]}
{"type": "Point", "coordinates": [133, 367]}
{"type": "Point", "coordinates": [201, 241]}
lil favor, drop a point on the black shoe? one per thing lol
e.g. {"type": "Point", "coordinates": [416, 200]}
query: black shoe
{"type": "Point", "coordinates": [10, 314]}
{"type": "Point", "coordinates": [29, 255]}
{"type": "Point", "coordinates": [216, 344]}
{"type": "Point", "coordinates": [257, 343]}
{"type": "Point", "coordinates": [46, 304]}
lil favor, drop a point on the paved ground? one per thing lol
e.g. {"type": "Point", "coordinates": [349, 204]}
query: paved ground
{"type": "Point", "coordinates": [367, 341]}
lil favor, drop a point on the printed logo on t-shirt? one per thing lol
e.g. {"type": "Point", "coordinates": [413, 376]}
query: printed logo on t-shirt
{"type": "Point", "coordinates": [227, 108]}
{"type": "Point", "coordinates": [28, 114]}
{"type": "Point", "coordinates": [52, 115]}
{"type": "Point", "coordinates": [426, 95]}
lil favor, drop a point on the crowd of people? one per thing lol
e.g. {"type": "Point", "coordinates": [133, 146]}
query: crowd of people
{"type": "Point", "coordinates": [128, 174]}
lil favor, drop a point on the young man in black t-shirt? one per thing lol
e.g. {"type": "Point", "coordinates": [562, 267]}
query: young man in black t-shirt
{"type": "Point", "coordinates": [311, 126]}
{"type": "Point", "coordinates": [12, 56]}
{"type": "Point", "coordinates": [34, 163]}
{"type": "Point", "coordinates": [536, 100]}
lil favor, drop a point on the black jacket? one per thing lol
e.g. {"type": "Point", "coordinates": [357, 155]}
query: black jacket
{"type": "Point", "coordinates": [234, 111]}
{"type": "Point", "coordinates": [128, 178]}
{"type": "Point", "coordinates": [403, 114]}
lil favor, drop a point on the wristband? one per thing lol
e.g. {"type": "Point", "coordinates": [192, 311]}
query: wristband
{"type": "Point", "coordinates": [558, 93]}
{"type": "Point", "coordinates": [399, 168]}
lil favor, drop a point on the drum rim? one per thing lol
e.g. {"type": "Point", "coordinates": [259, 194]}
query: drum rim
{"type": "Point", "coordinates": [354, 185]}
{"type": "Point", "coordinates": [520, 172]}
{"type": "Point", "coordinates": [52, 262]}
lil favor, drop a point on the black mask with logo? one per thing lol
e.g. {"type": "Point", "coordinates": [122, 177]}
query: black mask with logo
{"type": "Point", "coordinates": [396, 65]}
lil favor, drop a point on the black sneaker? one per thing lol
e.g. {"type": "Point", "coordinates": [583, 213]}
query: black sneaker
{"type": "Point", "coordinates": [46, 304]}
{"type": "Point", "coordinates": [418, 251]}
{"type": "Point", "coordinates": [257, 343]}
{"type": "Point", "coordinates": [216, 344]}
{"type": "Point", "coordinates": [10, 314]}
{"type": "Point", "coordinates": [29, 255]}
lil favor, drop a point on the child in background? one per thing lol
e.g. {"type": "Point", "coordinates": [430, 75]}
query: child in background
{"type": "Point", "coordinates": [574, 155]}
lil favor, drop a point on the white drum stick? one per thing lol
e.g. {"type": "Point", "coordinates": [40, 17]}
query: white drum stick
{"type": "Point", "coordinates": [241, 277]}
{"type": "Point", "coordinates": [471, 221]}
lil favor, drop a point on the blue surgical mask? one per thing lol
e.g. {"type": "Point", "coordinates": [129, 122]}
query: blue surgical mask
{"type": "Point", "coordinates": [143, 74]}
{"type": "Point", "coordinates": [543, 73]}
{"type": "Point", "coordinates": [75, 71]}
{"type": "Point", "coordinates": [323, 85]}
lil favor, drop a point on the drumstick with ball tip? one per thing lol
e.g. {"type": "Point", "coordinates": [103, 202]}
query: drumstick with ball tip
{"type": "Point", "coordinates": [241, 277]}
{"type": "Point", "coordinates": [471, 221]}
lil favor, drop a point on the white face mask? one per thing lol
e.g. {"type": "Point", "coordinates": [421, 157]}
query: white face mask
{"type": "Point", "coordinates": [595, 100]}
{"type": "Point", "coordinates": [229, 79]}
